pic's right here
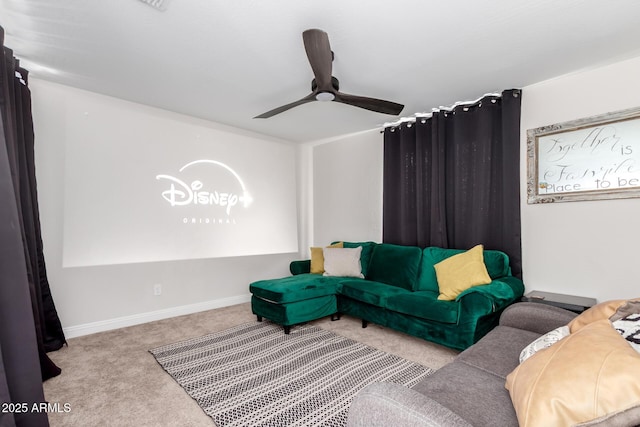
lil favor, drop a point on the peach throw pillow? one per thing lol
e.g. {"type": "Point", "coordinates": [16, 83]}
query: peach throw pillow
{"type": "Point", "coordinates": [604, 310]}
{"type": "Point", "coordinates": [588, 376]}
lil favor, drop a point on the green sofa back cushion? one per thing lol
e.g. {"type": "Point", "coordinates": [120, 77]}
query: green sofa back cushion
{"type": "Point", "coordinates": [365, 256]}
{"type": "Point", "coordinates": [497, 264]}
{"type": "Point", "coordinates": [395, 265]}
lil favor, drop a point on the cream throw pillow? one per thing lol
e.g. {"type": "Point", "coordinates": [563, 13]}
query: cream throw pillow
{"type": "Point", "coordinates": [590, 375]}
{"type": "Point", "coordinates": [461, 272]}
{"type": "Point", "coordinates": [545, 341]}
{"type": "Point", "coordinates": [317, 258]}
{"type": "Point", "coordinates": [343, 262]}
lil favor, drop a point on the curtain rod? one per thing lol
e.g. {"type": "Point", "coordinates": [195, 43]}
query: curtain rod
{"type": "Point", "coordinates": [412, 119]}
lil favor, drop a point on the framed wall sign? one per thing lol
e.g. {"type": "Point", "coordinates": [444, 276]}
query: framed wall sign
{"type": "Point", "coordinates": [592, 158]}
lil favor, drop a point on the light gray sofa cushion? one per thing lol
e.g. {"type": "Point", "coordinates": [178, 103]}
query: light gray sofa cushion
{"type": "Point", "coordinates": [479, 397]}
{"type": "Point", "coordinates": [492, 355]}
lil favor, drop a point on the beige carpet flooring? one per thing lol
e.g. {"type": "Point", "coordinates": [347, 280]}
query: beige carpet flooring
{"type": "Point", "coordinates": [110, 378]}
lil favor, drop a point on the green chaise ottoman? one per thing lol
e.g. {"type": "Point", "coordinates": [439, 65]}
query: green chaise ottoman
{"type": "Point", "coordinates": [295, 299]}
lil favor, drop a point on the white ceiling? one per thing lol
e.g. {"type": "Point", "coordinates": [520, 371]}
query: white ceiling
{"type": "Point", "coordinates": [230, 60]}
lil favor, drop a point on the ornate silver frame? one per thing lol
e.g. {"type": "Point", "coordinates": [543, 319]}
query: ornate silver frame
{"type": "Point", "coordinates": [569, 137]}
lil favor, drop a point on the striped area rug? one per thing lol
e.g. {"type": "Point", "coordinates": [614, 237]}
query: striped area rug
{"type": "Point", "coordinates": [255, 375]}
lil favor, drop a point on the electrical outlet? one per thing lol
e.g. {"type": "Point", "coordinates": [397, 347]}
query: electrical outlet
{"type": "Point", "coordinates": [157, 289]}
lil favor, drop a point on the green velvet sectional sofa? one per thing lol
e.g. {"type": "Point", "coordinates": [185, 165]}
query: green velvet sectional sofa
{"type": "Point", "coordinates": [399, 290]}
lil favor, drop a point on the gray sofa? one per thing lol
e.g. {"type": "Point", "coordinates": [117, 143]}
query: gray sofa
{"type": "Point", "coordinates": [470, 391]}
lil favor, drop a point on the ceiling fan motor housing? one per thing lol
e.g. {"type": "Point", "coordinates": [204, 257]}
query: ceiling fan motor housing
{"type": "Point", "coordinates": [334, 83]}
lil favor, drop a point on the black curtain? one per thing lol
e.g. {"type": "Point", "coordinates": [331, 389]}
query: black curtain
{"type": "Point", "coordinates": [453, 180]}
{"type": "Point", "coordinates": [29, 324]}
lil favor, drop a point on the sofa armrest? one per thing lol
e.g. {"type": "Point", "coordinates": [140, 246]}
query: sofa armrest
{"type": "Point", "coordinates": [300, 266]}
{"type": "Point", "coordinates": [498, 294]}
{"type": "Point", "coordinates": [387, 404]}
{"type": "Point", "coordinates": [535, 317]}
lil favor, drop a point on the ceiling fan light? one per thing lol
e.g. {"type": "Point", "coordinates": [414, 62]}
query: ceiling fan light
{"type": "Point", "coordinates": [325, 96]}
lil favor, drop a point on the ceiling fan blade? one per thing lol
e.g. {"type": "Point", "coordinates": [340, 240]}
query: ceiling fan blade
{"type": "Point", "coordinates": [316, 44]}
{"type": "Point", "coordinates": [271, 113]}
{"type": "Point", "coordinates": [372, 104]}
{"type": "Point", "coordinates": [324, 86]}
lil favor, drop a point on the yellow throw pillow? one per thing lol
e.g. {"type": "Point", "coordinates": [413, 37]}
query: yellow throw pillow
{"type": "Point", "coordinates": [317, 258]}
{"type": "Point", "coordinates": [590, 375]}
{"type": "Point", "coordinates": [461, 272]}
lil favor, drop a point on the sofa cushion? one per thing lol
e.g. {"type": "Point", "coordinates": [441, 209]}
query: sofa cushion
{"type": "Point", "coordinates": [475, 395]}
{"type": "Point", "coordinates": [365, 257]}
{"type": "Point", "coordinates": [374, 293]}
{"type": "Point", "coordinates": [395, 265]}
{"type": "Point", "coordinates": [295, 288]}
{"type": "Point", "coordinates": [498, 351]}
{"type": "Point", "coordinates": [317, 258]}
{"type": "Point", "coordinates": [461, 272]}
{"type": "Point", "coordinates": [496, 262]}
{"type": "Point", "coordinates": [425, 305]}
{"type": "Point", "coordinates": [589, 375]}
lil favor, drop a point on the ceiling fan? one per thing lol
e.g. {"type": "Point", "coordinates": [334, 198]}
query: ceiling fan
{"type": "Point", "coordinates": [325, 87]}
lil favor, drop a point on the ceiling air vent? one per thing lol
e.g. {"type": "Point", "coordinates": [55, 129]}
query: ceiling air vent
{"type": "Point", "coordinates": [157, 4]}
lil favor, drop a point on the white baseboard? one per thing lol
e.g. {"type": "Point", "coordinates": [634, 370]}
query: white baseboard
{"type": "Point", "coordinates": [136, 319]}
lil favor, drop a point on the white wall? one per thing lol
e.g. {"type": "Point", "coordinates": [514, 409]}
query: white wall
{"type": "Point", "coordinates": [583, 248]}
{"type": "Point", "coordinates": [347, 189]}
{"type": "Point", "coordinates": [96, 298]}
{"type": "Point", "coordinates": [305, 199]}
